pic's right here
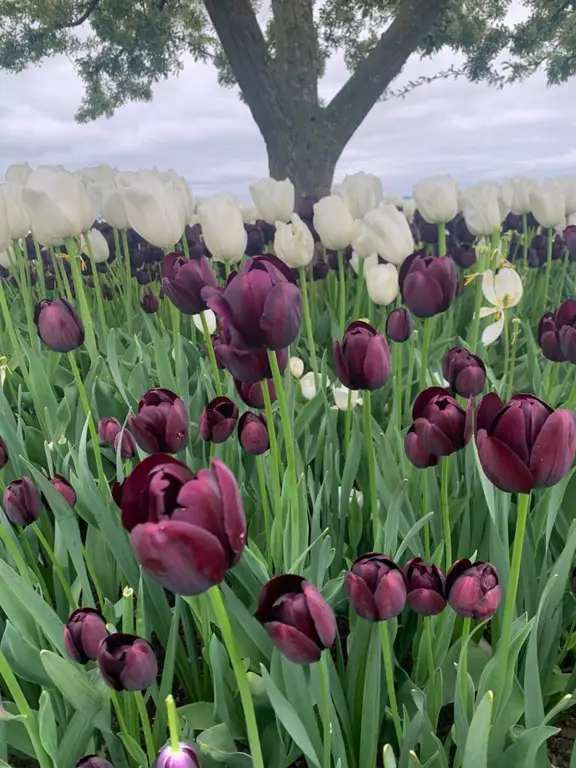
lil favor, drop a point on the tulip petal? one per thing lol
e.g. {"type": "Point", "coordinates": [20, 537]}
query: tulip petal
{"type": "Point", "coordinates": [390, 595]}
{"type": "Point", "coordinates": [486, 412]}
{"type": "Point", "coordinates": [233, 511]}
{"type": "Point", "coordinates": [282, 315]}
{"type": "Point", "coordinates": [426, 602]}
{"type": "Point", "coordinates": [508, 283]}
{"type": "Point", "coordinates": [177, 426]}
{"type": "Point", "coordinates": [424, 398]}
{"type": "Point", "coordinates": [433, 439]}
{"type": "Point", "coordinates": [360, 597]}
{"type": "Point", "coordinates": [147, 442]}
{"type": "Point", "coordinates": [322, 614]}
{"type": "Point", "coordinates": [489, 287]}
{"type": "Point", "coordinates": [554, 449]}
{"type": "Point", "coordinates": [292, 643]}
{"type": "Point", "coordinates": [493, 331]}
{"type": "Point", "coordinates": [423, 295]}
{"type": "Point", "coordinates": [502, 466]}
{"type": "Point", "coordinates": [487, 311]}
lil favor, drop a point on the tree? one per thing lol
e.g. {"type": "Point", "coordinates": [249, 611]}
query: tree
{"type": "Point", "coordinates": [120, 48]}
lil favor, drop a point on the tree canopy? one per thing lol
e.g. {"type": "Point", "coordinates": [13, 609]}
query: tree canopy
{"type": "Point", "coordinates": [276, 51]}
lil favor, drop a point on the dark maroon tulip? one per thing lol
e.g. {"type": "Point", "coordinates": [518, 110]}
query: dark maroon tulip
{"type": "Point", "coordinates": [143, 277]}
{"type": "Point", "coordinates": [117, 489]}
{"type": "Point", "coordinates": [320, 270]}
{"type": "Point", "coordinates": [464, 255]}
{"type": "Point", "coordinates": [108, 428]}
{"type": "Point", "coordinates": [255, 244]}
{"type": "Point", "coordinates": [297, 618]}
{"type": "Point", "coordinates": [127, 662]}
{"type": "Point", "coordinates": [162, 422]}
{"type": "Point", "coordinates": [183, 280]}
{"type": "Point", "coordinates": [64, 488]}
{"type": "Point", "coordinates": [512, 223]}
{"type": "Point", "coordinates": [262, 304]}
{"type": "Point", "coordinates": [248, 365]}
{"type": "Point", "coordinates": [150, 302]}
{"type": "Point", "coordinates": [58, 325]}
{"type": "Point", "coordinates": [362, 359]}
{"type": "Point", "coordinates": [253, 433]}
{"type": "Point", "coordinates": [427, 233]}
{"type": "Point", "coordinates": [218, 420]}
{"type": "Point", "coordinates": [186, 530]}
{"type": "Point", "coordinates": [376, 587]}
{"type": "Point", "coordinates": [459, 229]}
{"type": "Point", "coordinates": [128, 446]}
{"type": "Point", "coordinates": [428, 284]}
{"type": "Point", "coordinates": [573, 580]}
{"type": "Point", "coordinates": [399, 325]}
{"type": "Point", "coordinates": [569, 236]}
{"type": "Point", "coordinates": [524, 444]}
{"type": "Point", "coordinates": [22, 502]}
{"type": "Point", "coordinates": [425, 587]}
{"type": "Point", "coordinates": [465, 372]}
{"type": "Point", "coordinates": [473, 590]}
{"type": "Point", "coordinates": [304, 207]}
{"type": "Point", "coordinates": [3, 454]}
{"type": "Point", "coordinates": [557, 333]}
{"type": "Point", "coordinates": [186, 757]}
{"type": "Point", "coordinates": [251, 394]}
{"type": "Point", "coordinates": [440, 428]}
{"type": "Point", "coordinates": [83, 633]}
{"type": "Point", "coordinates": [93, 761]}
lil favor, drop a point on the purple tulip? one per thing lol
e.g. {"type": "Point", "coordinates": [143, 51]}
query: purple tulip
{"type": "Point", "coordinates": [569, 236]}
{"type": "Point", "coordinates": [83, 633]}
{"type": "Point", "coordinates": [253, 433]}
{"type": "Point", "coordinates": [428, 284]}
{"type": "Point", "coordinates": [186, 530]}
{"type": "Point", "coordinates": [524, 444]}
{"type": "Point", "coordinates": [186, 757]}
{"type": "Point", "coordinates": [399, 325]}
{"type": "Point", "coordinates": [473, 590]}
{"type": "Point", "coordinates": [93, 761]}
{"type": "Point", "coordinates": [557, 333]}
{"type": "Point", "coordinates": [248, 365]}
{"type": "Point", "coordinates": [22, 502]}
{"type": "Point", "coordinates": [376, 587]}
{"type": "Point", "coordinates": [218, 420]}
{"type": "Point", "coordinates": [425, 587]}
{"type": "Point", "coordinates": [440, 428]}
{"type": "Point", "coordinates": [108, 428]}
{"type": "Point", "coordinates": [362, 359]}
{"type": "Point", "coordinates": [64, 488]}
{"type": "Point", "coordinates": [150, 302]}
{"type": "Point", "coordinates": [127, 662]}
{"type": "Point", "coordinates": [261, 303]}
{"type": "Point", "coordinates": [58, 325]}
{"type": "Point", "coordinates": [3, 454]}
{"type": "Point", "coordinates": [459, 229]}
{"type": "Point", "coordinates": [464, 255]}
{"type": "Point", "coordinates": [184, 279]}
{"type": "Point", "coordinates": [162, 422]}
{"type": "Point", "coordinates": [297, 618]}
{"type": "Point", "coordinates": [255, 244]}
{"type": "Point", "coordinates": [465, 372]}
{"type": "Point", "coordinates": [251, 394]}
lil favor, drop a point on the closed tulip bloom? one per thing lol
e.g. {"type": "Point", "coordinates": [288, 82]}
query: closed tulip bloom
{"type": "Point", "coordinates": [83, 633]}
{"type": "Point", "coordinates": [568, 187]}
{"type": "Point", "coordinates": [153, 209]}
{"type": "Point", "coordinates": [218, 420]}
{"type": "Point", "coordinates": [64, 488]}
{"type": "Point", "coordinates": [183, 280]}
{"type": "Point", "coordinates": [186, 530]}
{"type": "Point", "coordinates": [428, 284]}
{"type": "Point", "coordinates": [58, 325]}
{"type": "Point", "coordinates": [333, 222]}
{"type": "Point", "coordinates": [3, 454]}
{"type": "Point", "coordinates": [465, 372]}
{"type": "Point", "coordinates": [399, 325]}
{"type": "Point", "coordinates": [127, 662]}
{"type": "Point", "coordinates": [390, 232]}
{"type": "Point", "coordinates": [93, 761]}
{"type": "Point", "coordinates": [248, 365]}
{"type": "Point", "coordinates": [376, 587]}
{"type": "Point", "coordinates": [22, 502]}
{"type": "Point", "coordinates": [253, 433]}
{"type": "Point", "coordinates": [524, 444]}
{"type": "Point", "coordinates": [345, 398]}
{"type": "Point", "coordinates": [251, 394]}
{"type": "Point", "coordinates": [520, 195]}
{"type": "Point", "coordinates": [18, 173]}
{"type": "Point", "coordinates": [98, 244]}
{"type": "Point", "coordinates": [296, 366]}
{"type": "Point", "coordinates": [294, 243]}
{"type": "Point", "coordinates": [262, 304]}
{"type": "Point", "coordinates": [481, 209]}
{"type": "Point", "coordinates": [297, 618]}
{"type": "Point", "coordinates": [440, 428]}
{"type": "Point", "coordinates": [150, 302]}
{"type": "Point", "coordinates": [362, 358]}
{"type": "Point", "coordinates": [273, 199]}
{"type": "Point", "coordinates": [557, 333]}
{"type": "Point", "coordinates": [16, 213]}
{"type": "Point", "coordinates": [223, 229]}
{"type": "Point", "coordinates": [382, 284]}
{"type": "Point", "coordinates": [210, 318]}
{"type": "Point", "coordinates": [361, 192]}
{"type": "Point", "coordinates": [547, 204]}
{"type": "Point", "coordinates": [185, 757]}
{"type": "Point", "coordinates": [463, 255]}
{"type": "Point", "coordinates": [108, 428]}
{"type": "Point", "coordinates": [363, 243]}
{"type": "Point", "coordinates": [162, 423]}
{"type": "Point", "coordinates": [425, 587]}
{"type": "Point", "coordinates": [473, 590]}
{"type": "Point", "coordinates": [437, 199]}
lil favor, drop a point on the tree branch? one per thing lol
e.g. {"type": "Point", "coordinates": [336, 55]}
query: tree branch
{"type": "Point", "coordinates": [296, 43]}
{"type": "Point", "coordinates": [84, 16]}
{"type": "Point", "coordinates": [356, 98]}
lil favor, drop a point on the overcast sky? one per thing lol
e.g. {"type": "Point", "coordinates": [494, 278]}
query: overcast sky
{"type": "Point", "coordinates": [207, 134]}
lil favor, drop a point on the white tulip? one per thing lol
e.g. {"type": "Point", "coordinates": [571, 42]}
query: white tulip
{"type": "Point", "coordinates": [391, 233]}
{"type": "Point", "coordinates": [100, 250]}
{"type": "Point", "coordinates": [18, 219]}
{"type": "Point", "coordinates": [333, 222]}
{"type": "Point", "coordinates": [382, 284]}
{"type": "Point", "coordinates": [547, 204]}
{"type": "Point", "coordinates": [393, 199]}
{"type": "Point", "coordinates": [362, 241]}
{"type": "Point", "coordinates": [101, 174]}
{"type": "Point", "coordinates": [481, 209]}
{"type": "Point", "coordinates": [341, 397]}
{"type": "Point", "coordinates": [113, 208]}
{"type": "Point", "coordinates": [503, 290]}
{"type": "Point", "coordinates": [368, 263]}
{"type": "Point", "coordinates": [437, 199]}
{"type": "Point", "coordinates": [409, 208]}
{"type": "Point", "coordinates": [183, 193]}
{"type": "Point", "coordinates": [294, 243]}
{"type": "Point", "coordinates": [308, 386]}
{"type": "Point", "coordinates": [361, 192]}
{"type": "Point", "coordinates": [250, 214]}
{"type": "Point", "coordinates": [7, 258]}
{"type": "Point", "coordinates": [520, 195]}
{"type": "Point", "coordinates": [274, 199]}
{"type": "Point", "coordinates": [18, 174]}
{"type": "Point", "coordinates": [210, 318]}
{"type": "Point", "coordinates": [223, 229]}
{"type": "Point", "coordinates": [505, 198]}
{"type": "Point", "coordinates": [296, 366]}
{"type": "Point", "coordinates": [568, 186]}
{"type": "Point", "coordinates": [154, 210]}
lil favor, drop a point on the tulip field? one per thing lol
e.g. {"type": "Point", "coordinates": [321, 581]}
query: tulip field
{"type": "Point", "coordinates": [288, 484]}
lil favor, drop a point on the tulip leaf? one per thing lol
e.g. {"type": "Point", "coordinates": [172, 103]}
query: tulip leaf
{"type": "Point", "coordinates": [523, 752]}
{"type": "Point", "coordinates": [163, 363]}
{"type": "Point", "coordinates": [476, 749]}
{"type": "Point", "coordinates": [72, 746]}
{"type": "Point", "coordinates": [134, 749]}
{"type": "Point", "coordinates": [113, 364]}
{"type": "Point", "coordinates": [47, 725]}
{"type": "Point", "coordinates": [23, 657]}
{"type": "Point", "coordinates": [217, 744]}
{"type": "Point", "coordinates": [199, 715]}
{"type": "Point", "coordinates": [371, 721]}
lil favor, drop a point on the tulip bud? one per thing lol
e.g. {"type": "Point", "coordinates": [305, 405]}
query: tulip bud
{"type": "Point", "coordinates": [557, 333]}
{"type": "Point", "coordinates": [128, 445]}
{"type": "Point", "coordinates": [185, 757]}
{"type": "Point", "coordinates": [93, 761]}
{"type": "Point", "coordinates": [345, 398]}
{"type": "Point", "coordinates": [293, 243]}
{"type": "Point", "coordinates": [127, 662]}
{"type": "Point", "coordinates": [83, 633]}
{"type": "Point", "coordinates": [253, 433]}
{"type": "Point", "coordinates": [22, 502]}
{"type": "Point", "coordinates": [361, 192]}
{"type": "Point", "coordinates": [376, 587]}
{"type": "Point", "coordinates": [251, 394]}
{"type": "Point", "coordinates": [425, 587]}
{"type": "Point", "coordinates": [150, 303]}
{"type": "Point", "coordinates": [108, 428]}
{"type": "Point", "coordinates": [223, 229]}
{"type": "Point", "coordinates": [248, 365]}
{"type": "Point", "coordinates": [428, 284]}
{"type": "Point", "coordinates": [308, 385]}
{"type": "Point", "coordinates": [217, 420]}
{"type": "Point", "coordinates": [547, 204]}
{"type": "Point", "coordinates": [255, 244]}
{"type": "Point", "coordinates": [162, 422]}
{"type": "Point", "coordinates": [465, 372]}
{"type": "Point", "coordinates": [299, 621]}
{"type": "Point", "coordinates": [362, 359]}
{"type": "Point", "coordinates": [399, 325]}
{"type": "Point", "coordinates": [437, 199]}
{"type": "Point", "coordinates": [58, 325]}
{"type": "Point", "coordinates": [481, 209]}
{"type": "Point", "coordinates": [464, 255]}
{"type": "Point", "coordinates": [64, 488]}
{"type": "Point", "coordinates": [333, 222]}
{"type": "Point", "coordinates": [117, 490]}
{"type": "Point", "coordinates": [390, 233]}
{"type": "Point", "coordinates": [440, 427]}
{"type": "Point", "coordinates": [273, 199]}
{"type": "Point", "coordinates": [473, 590]}
{"type": "Point", "coordinates": [296, 367]}
{"type": "Point", "coordinates": [183, 280]}
{"type": "Point", "coordinates": [3, 454]}
{"type": "Point", "coordinates": [382, 284]}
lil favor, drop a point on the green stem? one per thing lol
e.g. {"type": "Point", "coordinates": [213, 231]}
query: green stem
{"type": "Point", "coordinates": [128, 277]}
{"type": "Point", "coordinates": [238, 666]}
{"type": "Point", "coordinates": [348, 421]}
{"type": "Point", "coordinates": [55, 564]}
{"type": "Point", "coordinates": [265, 510]}
{"type": "Point", "coordinates": [425, 351]}
{"type": "Point", "coordinates": [525, 242]}
{"type": "Point", "coordinates": [442, 239]}
{"type": "Point", "coordinates": [359, 290]}
{"type": "Point", "coordinates": [84, 309]}
{"type": "Point", "coordinates": [477, 304]}
{"type": "Point", "coordinates": [308, 321]}
{"type": "Point", "coordinates": [16, 350]}
{"type": "Point", "coordinates": [503, 383]}
{"type": "Point", "coordinates": [25, 290]}
{"type": "Point", "coordinates": [444, 483]}
{"type": "Point", "coordinates": [118, 711]}
{"type": "Point", "coordinates": [549, 244]}
{"type": "Point", "coordinates": [371, 467]}
{"type": "Point", "coordinates": [145, 720]}
{"type": "Point", "coordinates": [274, 452]}
{"type": "Point", "coordinates": [398, 366]}
{"type": "Point", "coordinates": [342, 293]}
{"type": "Point", "coordinates": [464, 664]}
{"type": "Point", "coordinates": [571, 402]}
{"type": "Point", "coordinates": [325, 709]}
{"type": "Point", "coordinates": [389, 674]}
{"type": "Point", "coordinates": [427, 549]}
{"type": "Point", "coordinates": [33, 562]}
{"type": "Point", "coordinates": [173, 726]}
{"type": "Point", "coordinates": [184, 244]}
{"type": "Point", "coordinates": [40, 266]}
{"type": "Point", "coordinates": [429, 647]}
{"type": "Point", "coordinates": [211, 354]}
{"type": "Point", "coordinates": [410, 377]}
{"type": "Point", "coordinates": [512, 364]}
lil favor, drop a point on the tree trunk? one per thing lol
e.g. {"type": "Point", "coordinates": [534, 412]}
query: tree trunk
{"type": "Point", "coordinates": [305, 160]}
